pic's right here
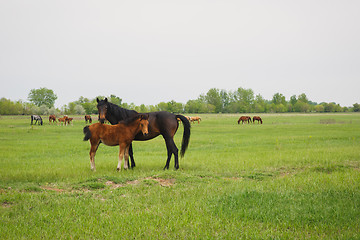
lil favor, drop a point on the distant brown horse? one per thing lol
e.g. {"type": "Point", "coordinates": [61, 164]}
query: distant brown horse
{"type": "Point", "coordinates": [243, 119]}
{"type": "Point", "coordinates": [121, 134]}
{"type": "Point", "coordinates": [63, 120]}
{"type": "Point", "coordinates": [52, 118]}
{"type": "Point", "coordinates": [69, 120]}
{"type": "Point", "coordinates": [88, 119]}
{"type": "Point", "coordinates": [194, 119]}
{"type": "Point", "coordinates": [257, 118]}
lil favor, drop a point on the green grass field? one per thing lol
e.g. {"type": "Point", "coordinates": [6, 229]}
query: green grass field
{"type": "Point", "coordinates": [297, 176]}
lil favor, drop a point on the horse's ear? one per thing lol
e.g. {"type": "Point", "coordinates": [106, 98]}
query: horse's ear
{"type": "Point", "coordinates": [97, 99]}
{"type": "Point", "coordinates": [106, 100]}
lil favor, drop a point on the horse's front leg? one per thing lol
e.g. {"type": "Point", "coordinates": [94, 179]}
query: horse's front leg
{"type": "Point", "coordinates": [121, 156]}
{"type": "Point", "coordinates": [131, 154]}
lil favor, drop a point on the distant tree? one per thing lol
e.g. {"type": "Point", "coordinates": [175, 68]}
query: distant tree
{"type": "Point", "coordinates": [7, 107]}
{"type": "Point", "coordinates": [115, 100]}
{"type": "Point", "coordinates": [319, 108]}
{"type": "Point", "coordinates": [213, 97]}
{"type": "Point", "coordinates": [259, 104]}
{"type": "Point", "coordinates": [332, 107]}
{"type": "Point", "coordinates": [90, 107]}
{"type": "Point", "coordinates": [53, 110]}
{"type": "Point", "coordinates": [303, 98]}
{"type": "Point", "coordinates": [301, 106]}
{"type": "Point", "coordinates": [162, 106]}
{"type": "Point", "coordinates": [293, 100]}
{"type": "Point", "coordinates": [78, 109]}
{"type": "Point", "coordinates": [70, 109]}
{"type": "Point", "coordinates": [242, 100]}
{"type": "Point", "coordinates": [43, 110]}
{"type": "Point", "coordinates": [278, 98]}
{"type": "Point", "coordinates": [225, 100]}
{"type": "Point", "coordinates": [175, 107]}
{"type": "Point", "coordinates": [356, 107]}
{"type": "Point", "coordinates": [42, 96]}
{"type": "Point", "coordinates": [142, 108]}
{"type": "Point", "coordinates": [194, 106]}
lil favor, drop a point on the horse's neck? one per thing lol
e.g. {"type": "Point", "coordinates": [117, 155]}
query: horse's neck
{"type": "Point", "coordinates": [116, 113]}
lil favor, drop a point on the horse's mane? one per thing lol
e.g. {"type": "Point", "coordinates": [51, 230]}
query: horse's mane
{"type": "Point", "coordinates": [116, 114]}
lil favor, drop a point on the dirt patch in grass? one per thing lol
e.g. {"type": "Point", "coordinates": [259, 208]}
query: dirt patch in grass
{"type": "Point", "coordinates": [6, 204]}
{"type": "Point", "coordinates": [162, 182]}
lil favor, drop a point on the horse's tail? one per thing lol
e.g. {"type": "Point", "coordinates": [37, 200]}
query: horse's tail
{"type": "Point", "coordinates": [87, 133]}
{"type": "Point", "coordinates": [186, 134]}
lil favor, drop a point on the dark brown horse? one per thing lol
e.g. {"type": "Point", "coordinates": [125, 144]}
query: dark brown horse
{"type": "Point", "coordinates": [243, 119]}
{"type": "Point", "coordinates": [52, 118]}
{"type": "Point", "coordinates": [160, 123]}
{"type": "Point", "coordinates": [257, 118]}
{"type": "Point", "coordinates": [88, 119]}
{"type": "Point", "coordinates": [121, 134]}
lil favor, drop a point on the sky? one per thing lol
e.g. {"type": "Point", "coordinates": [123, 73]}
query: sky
{"type": "Point", "coordinates": [147, 52]}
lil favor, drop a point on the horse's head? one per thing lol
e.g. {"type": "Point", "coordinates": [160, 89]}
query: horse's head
{"type": "Point", "coordinates": [102, 107]}
{"type": "Point", "coordinates": [144, 124]}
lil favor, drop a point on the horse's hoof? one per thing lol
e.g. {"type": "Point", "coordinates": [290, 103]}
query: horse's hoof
{"type": "Point", "coordinates": [118, 169]}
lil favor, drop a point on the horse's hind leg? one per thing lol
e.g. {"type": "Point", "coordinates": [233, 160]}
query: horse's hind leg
{"type": "Point", "coordinates": [171, 149]}
{"type": "Point", "coordinates": [126, 158]}
{"type": "Point", "coordinates": [93, 149]}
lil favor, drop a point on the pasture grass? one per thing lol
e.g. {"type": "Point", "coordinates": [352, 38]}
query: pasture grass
{"type": "Point", "coordinates": [297, 176]}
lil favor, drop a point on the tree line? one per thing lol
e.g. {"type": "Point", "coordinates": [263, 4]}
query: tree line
{"type": "Point", "coordinates": [214, 101]}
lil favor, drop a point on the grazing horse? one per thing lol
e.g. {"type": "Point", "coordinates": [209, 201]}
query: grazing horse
{"type": "Point", "coordinates": [69, 120]}
{"type": "Point", "coordinates": [163, 123]}
{"type": "Point", "coordinates": [194, 119]}
{"type": "Point", "coordinates": [121, 134]}
{"type": "Point", "coordinates": [63, 120]}
{"type": "Point", "coordinates": [52, 118]}
{"type": "Point", "coordinates": [243, 119]}
{"type": "Point", "coordinates": [88, 119]}
{"type": "Point", "coordinates": [257, 118]}
{"type": "Point", "coordinates": [37, 119]}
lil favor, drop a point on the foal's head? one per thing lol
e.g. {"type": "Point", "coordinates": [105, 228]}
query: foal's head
{"type": "Point", "coordinates": [102, 107]}
{"type": "Point", "coordinates": [144, 124]}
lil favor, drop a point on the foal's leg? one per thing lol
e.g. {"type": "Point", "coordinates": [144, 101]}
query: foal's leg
{"type": "Point", "coordinates": [121, 156]}
{"type": "Point", "coordinates": [93, 149]}
{"type": "Point", "coordinates": [126, 162]}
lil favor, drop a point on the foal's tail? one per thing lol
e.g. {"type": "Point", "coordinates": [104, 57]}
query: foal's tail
{"type": "Point", "coordinates": [87, 133]}
{"type": "Point", "coordinates": [186, 135]}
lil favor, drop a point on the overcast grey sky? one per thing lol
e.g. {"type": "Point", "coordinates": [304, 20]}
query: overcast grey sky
{"type": "Point", "coordinates": [151, 51]}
